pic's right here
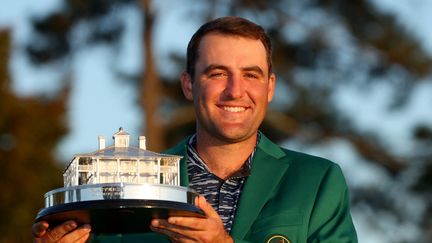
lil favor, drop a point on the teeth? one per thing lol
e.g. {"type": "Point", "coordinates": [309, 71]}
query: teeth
{"type": "Point", "coordinates": [234, 109]}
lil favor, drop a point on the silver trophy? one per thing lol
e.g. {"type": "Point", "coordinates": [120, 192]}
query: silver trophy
{"type": "Point", "coordinates": [119, 189]}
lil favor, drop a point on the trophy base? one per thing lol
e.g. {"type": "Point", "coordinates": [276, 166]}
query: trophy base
{"type": "Point", "coordinates": [118, 207]}
{"type": "Point", "coordinates": [117, 215]}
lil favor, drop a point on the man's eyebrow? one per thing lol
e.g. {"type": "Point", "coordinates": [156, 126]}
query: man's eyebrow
{"type": "Point", "coordinates": [254, 69]}
{"type": "Point", "coordinates": [213, 67]}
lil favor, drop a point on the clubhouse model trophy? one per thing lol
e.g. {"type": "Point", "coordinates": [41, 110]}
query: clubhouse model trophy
{"type": "Point", "coordinates": [119, 189]}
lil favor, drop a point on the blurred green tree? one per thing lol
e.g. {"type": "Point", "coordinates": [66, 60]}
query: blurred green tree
{"type": "Point", "coordinates": [320, 48]}
{"type": "Point", "coordinates": [30, 129]}
{"type": "Point", "coordinates": [55, 33]}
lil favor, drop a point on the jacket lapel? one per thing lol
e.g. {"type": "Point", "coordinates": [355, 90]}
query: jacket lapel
{"type": "Point", "coordinates": [267, 171]}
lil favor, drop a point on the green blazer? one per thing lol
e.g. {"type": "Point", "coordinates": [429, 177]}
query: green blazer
{"type": "Point", "coordinates": [288, 197]}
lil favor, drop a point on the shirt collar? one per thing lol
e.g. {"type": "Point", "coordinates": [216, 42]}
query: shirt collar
{"type": "Point", "coordinates": [194, 158]}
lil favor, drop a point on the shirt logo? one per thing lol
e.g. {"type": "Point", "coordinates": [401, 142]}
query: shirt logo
{"type": "Point", "coordinates": [278, 239]}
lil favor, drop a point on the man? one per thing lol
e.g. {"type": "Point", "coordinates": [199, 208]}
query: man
{"type": "Point", "coordinates": [252, 189]}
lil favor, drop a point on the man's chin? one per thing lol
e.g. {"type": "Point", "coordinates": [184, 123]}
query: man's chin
{"type": "Point", "coordinates": [236, 135]}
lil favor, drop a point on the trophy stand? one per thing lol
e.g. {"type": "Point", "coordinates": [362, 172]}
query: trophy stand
{"type": "Point", "coordinates": [119, 189]}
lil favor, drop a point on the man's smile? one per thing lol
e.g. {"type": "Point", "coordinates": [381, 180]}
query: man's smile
{"type": "Point", "coordinates": [233, 108]}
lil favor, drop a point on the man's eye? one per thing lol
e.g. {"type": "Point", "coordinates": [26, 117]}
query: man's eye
{"type": "Point", "coordinates": [216, 75]}
{"type": "Point", "coordinates": [251, 76]}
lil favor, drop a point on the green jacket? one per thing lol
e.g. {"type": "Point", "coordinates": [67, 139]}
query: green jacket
{"type": "Point", "coordinates": [289, 197]}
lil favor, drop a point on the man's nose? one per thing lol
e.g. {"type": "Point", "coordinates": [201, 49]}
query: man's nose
{"type": "Point", "coordinates": [234, 87]}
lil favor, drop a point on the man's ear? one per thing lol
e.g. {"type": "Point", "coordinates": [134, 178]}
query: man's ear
{"type": "Point", "coordinates": [186, 84]}
{"type": "Point", "coordinates": [271, 87]}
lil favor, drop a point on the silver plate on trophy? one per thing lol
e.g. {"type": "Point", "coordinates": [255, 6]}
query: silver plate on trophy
{"type": "Point", "coordinates": [119, 189]}
{"type": "Point", "coordinates": [118, 207]}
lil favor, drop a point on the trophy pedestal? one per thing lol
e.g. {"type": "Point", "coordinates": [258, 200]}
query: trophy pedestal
{"type": "Point", "coordinates": [118, 207]}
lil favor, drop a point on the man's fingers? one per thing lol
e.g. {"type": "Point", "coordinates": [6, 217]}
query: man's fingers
{"type": "Point", "coordinates": [59, 231]}
{"type": "Point", "coordinates": [83, 238]}
{"type": "Point", "coordinates": [188, 223]}
{"type": "Point", "coordinates": [65, 232]}
{"type": "Point", "coordinates": [208, 210]}
{"type": "Point", "coordinates": [193, 229]}
{"type": "Point", "coordinates": [40, 228]}
{"type": "Point", "coordinates": [163, 223]}
{"type": "Point", "coordinates": [81, 234]}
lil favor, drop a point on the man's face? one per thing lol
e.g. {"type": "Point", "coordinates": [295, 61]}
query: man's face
{"type": "Point", "coordinates": [231, 88]}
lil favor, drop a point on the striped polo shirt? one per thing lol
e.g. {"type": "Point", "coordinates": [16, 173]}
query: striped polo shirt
{"type": "Point", "coordinates": [223, 195]}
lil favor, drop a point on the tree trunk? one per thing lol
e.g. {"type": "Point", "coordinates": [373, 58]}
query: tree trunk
{"type": "Point", "coordinates": [150, 84]}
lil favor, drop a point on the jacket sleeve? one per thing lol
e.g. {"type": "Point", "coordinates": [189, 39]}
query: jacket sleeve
{"type": "Point", "coordinates": [330, 217]}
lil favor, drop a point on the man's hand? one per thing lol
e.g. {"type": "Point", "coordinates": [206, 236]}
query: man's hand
{"type": "Point", "coordinates": [190, 229]}
{"type": "Point", "coordinates": [66, 232]}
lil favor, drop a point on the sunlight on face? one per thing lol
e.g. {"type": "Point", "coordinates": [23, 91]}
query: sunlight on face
{"type": "Point", "coordinates": [232, 87]}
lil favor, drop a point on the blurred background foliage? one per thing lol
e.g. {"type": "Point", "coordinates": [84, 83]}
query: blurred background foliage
{"type": "Point", "coordinates": [321, 49]}
{"type": "Point", "coordinates": [30, 129]}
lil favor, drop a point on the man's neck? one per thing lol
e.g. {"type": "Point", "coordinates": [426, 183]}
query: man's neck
{"type": "Point", "coordinates": [223, 158]}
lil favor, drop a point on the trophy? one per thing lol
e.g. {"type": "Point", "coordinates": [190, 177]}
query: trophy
{"type": "Point", "coordinates": [119, 189]}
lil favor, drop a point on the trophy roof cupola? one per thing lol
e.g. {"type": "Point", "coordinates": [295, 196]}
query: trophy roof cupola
{"type": "Point", "coordinates": [121, 138]}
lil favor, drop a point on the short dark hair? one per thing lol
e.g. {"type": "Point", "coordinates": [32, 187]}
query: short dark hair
{"type": "Point", "coordinates": [230, 25]}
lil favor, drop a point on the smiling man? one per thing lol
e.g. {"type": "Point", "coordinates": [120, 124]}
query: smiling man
{"type": "Point", "coordinates": [251, 189]}
{"type": "Point", "coordinates": [231, 88]}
